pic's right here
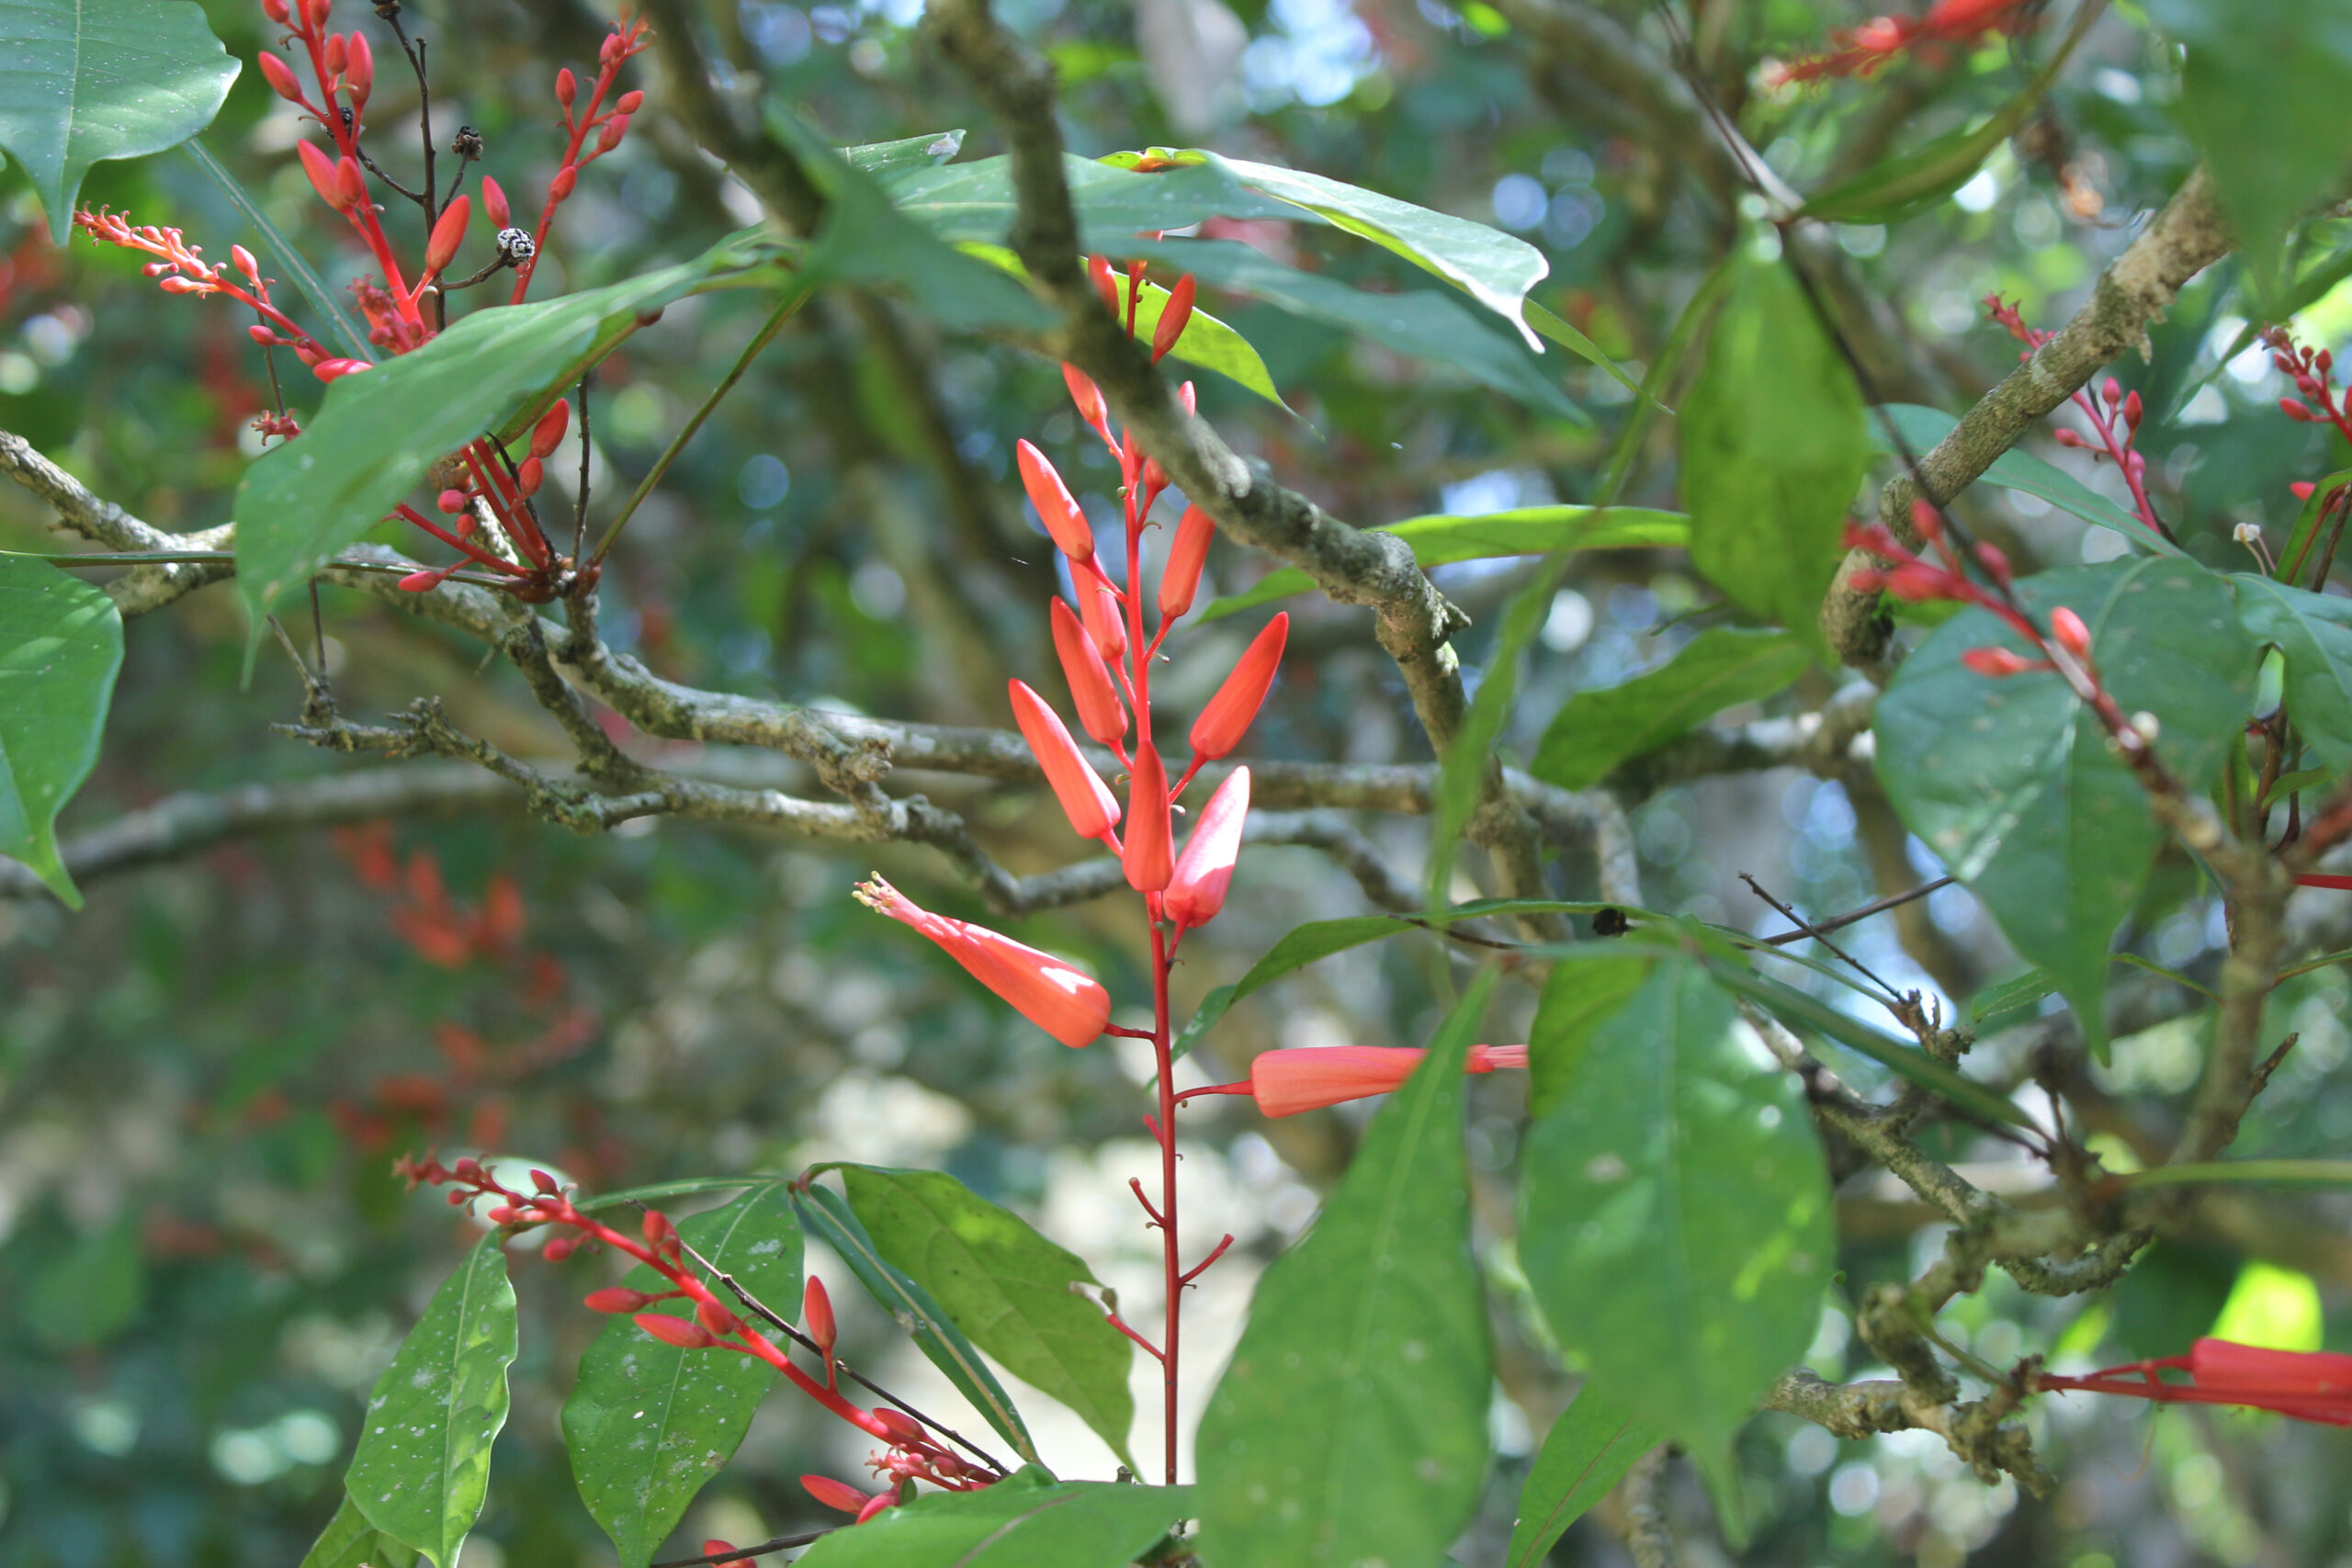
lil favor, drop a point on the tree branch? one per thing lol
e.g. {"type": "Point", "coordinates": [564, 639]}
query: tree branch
{"type": "Point", "coordinates": [80, 514]}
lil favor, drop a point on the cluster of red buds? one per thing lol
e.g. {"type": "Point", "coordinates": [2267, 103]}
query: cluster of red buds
{"type": "Point", "coordinates": [2309, 1385]}
{"type": "Point", "coordinates": [488, 489]}
{"type": "Point", "coordinates": [1916, 579]}
{"type": "Point", "coordinates": [2114, 416]}
{"type": "Point", "coordinates": [909, 1453]}
{"type": "Point", "coordinates": [1858, 52]}
{"type": "Point", "coordinates": [627, 39]}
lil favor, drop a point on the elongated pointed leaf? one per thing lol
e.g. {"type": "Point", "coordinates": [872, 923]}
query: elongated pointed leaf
{"type": "Point", "coordinates": [350, 1542]}
{"type": "Point", "coordinates": [974, 201]}
{"type": "Point", "coordinates": [1720, 668]}
{"type": "Point", "coordinates": [828, 1214]}
{"type": "Point", "coordinates": [648, 1424]}
{"type": "Point", "coordinates": [85, 80]}
{"type": "Point", "coordinates": [1005, 1286]}
{"type": "Point", "coordinates": [1579, 998]}
{"type": "Point", "coordinates": [1591, 1444]}
{"type": "Point", "coordinates": [61, 647]}
{"type": "Point", "coordinates": [1583, 348]}
{"type": "Point", "coordinates": [2012, 781]}
{"type": "Point", "coordinates": [1524, 531]}
{"type": "Point", "coordinates": [1351, 1424]}
{"type": "Point", "coordinates": [1921, 428]}
{"type": "Point", "coordinates": [1675, 1219]}
{"type": "Point", "coordinates": [423, 1465]}
{"type": "Point", "coordinates": [879, 158]}
{"type": "Point", "coordinates": [1027, 1522]}
{"type": "Point", "coordinates": [1772, 451]}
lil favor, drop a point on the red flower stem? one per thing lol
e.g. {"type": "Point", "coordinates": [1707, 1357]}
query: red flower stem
{"type": "Point", "coordinates": [1150, 1348]}
{"type": "Point", "coordinates": [506, 507]}
{"type": "Point", "coordinates": [1166, 1133]}
{"type": "Point", "coordinates": [1197, 1270]}
{"type": "Point", "coordinates": [607, 72]}
{"type": "Point", "coordinates": [1190, 772]}
{"type": "Point", "coordinates": [486, 558]}
{"type": "Point", "coordinates": [345, 137]}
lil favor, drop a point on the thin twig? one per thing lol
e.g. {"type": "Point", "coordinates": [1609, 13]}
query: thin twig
{"type": "Point", "coordinates": [781, 1543]}
{"type": "Point", "coordinates": [1875, 906]}
{"type": "Point", "coordinates": [1805, 929]}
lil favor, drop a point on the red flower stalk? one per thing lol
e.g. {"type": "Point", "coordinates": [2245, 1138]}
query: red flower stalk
{"type": "Point", "coordinates": [1180, 578]}
{"type": "Point", "coordinates": [627, 39]}
{"type": "Point", "coordinates": [1229, 715]}
{"type": "Point", "coordinates": [1197, 890]}
{"type": "Point", "coordinates": [1285, 1083]}
{"type": "Point", "coordinates": [2309, 1385]}
{"type": "Point", "coordinates": [2114, 416]}
{"type": "Point", "coordinates": [1099, 710]}
{"type": "Point", "coordinates": [1086, 800]}
{"type": "Point", "coordinates": [1858, 52]}
{"type": "Point", "coordinates": [1067, 1003]}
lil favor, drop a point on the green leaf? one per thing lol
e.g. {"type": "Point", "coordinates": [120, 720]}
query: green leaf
{"type": "Point", "coordinates": [2262, 98]}
{"type": "Point", "coordinates": [1494, 268]}
{"type": "Point", "coordinates": [423, 1466]}
{"type": "Point", "coordinates": [1908, 182]}
{"type": "Point", "coordinates": [85, 80]}
{"type": "Point", "coordinates": [1591, 1444]}
{"type": "Point", "coordinates": [1426, 326]}
{"type": "Point", "coordinates": [2306, 530]}
{"type": "Point", "coordinates": [1675, 1220]}
{"type": "Point", "coordinates": [880, 158]}
{"type": "Point", "coordinates": [277, 251]}
{"type": "Point", "coordinates": [350, 1542]}
{"type": "Point", "coordinates": [974, 201]}
{"type": "Point", "coordinates": [918, 1315]}
{"type": "Point", "coordinates": [1027, 1522]}
{"type": "Point", "coordinates": [1005, 1286]}
{"type": "Point", "coordinates": [2012, 781]}
{"type": "Point", "coordinates": [1583, 348]}
{"type": "Point", "coordinates": [1921, 428]}
{"type": "Point", "coordinates": [1350, 1425]}
{"type": "Point", "coordinates": [1524, 531]}
{"type": "Point", "coordinates": [1464, 766]}
{"type": "Point", "coordinates": [1577, 999]}
{"type": "Point", "coordinates": [648, 1424]}
{"type": "Point", "coordinates": [1720, 668]}
{"type": "Point", "coordinates": [60, 647]}
{"type": "Point", "coordinates": [378, 432]}
{"type": "Point", "coordinates": [2313, 633]}
{"type": "Point", "coordinates": [864, 241]}
{"type": "Point", "coordinates": [1773, 450]}
{"type": "Point", "coordinates": [2010, 1003]}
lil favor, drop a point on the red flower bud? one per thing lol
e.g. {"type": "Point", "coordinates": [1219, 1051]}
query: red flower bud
{"type": "Point", "coordinates": [656, 1228]}
{"type": "Point", "coordinates": [617, 1299]}
{"type": "Point", "coordinates": [714, 1548]}
{"type": "Point", "coordinates": [560, 1247]}
{"type": "Point", "coordinates": [1228, 714]}
{"type": "Point", "coordinates": [1055, 504]}
{"type": "Point", "coordinates": [2301, 489]}
{"type": "Point", "coordinates": [1099, 712]}
{"type": "Point", "coordinates": [901, 1428]}
{"type": "Point", "coordinates": [675, 1331]}
{"type": "Point", "coordinates": [245, 263]}
{"type": "Point", "coordinates": [493, 204]}
{"type": "Point", "coordinates": [1106, 284]}
{"type": "Point", "coordinates": [1173, 318]}
{"type": "Point", "coordinates": [560, 188]}
{"type": "Point", "coordinates": [334, 369]}
{"type": "Point", "coordinates": [1927, 521]}
{"type": "Point", "coordinates": [529, 475]}
{"type": "Point", "coordinates": [314, 12]}
{"type": "Point", "coordinates": [351, 184]}
{"type": "Point", "coordinates": [1100, 611]}
{"type": "Point", "coordinates": [566, 86]}
{"type": "Point", "coordinates": [180, 286]}
{"type": "Point", "coordinates": [2071, 634]}
{"type": "Point", "coordinates": [543, 1181]}
{"type": "Point", "coordinates": [1189, 398]}
{"type": "Point", "coordinates": [2132, 410]}
{"type": "Point", "coordinates": [1067, 1004]}
{"type": "Point", "coordinates": [817, 1315]}
{"type": "Point", "coordinates": [835, 1494]}
{"type": "Point", "coordinates": [360, 72]}
{"type": "Point", "coordinates": [449, 233]}
{"type": "Point", "coordinates": [2296, 411]}
{"type": "Point", "coordinates": [1995, 562]}
{"type": "Point", "coordinates": [1998, 663]}
{"type": "Point", "coordinates": [1179, 580]}
{"type": "Point", "coordinates": [547, 434]}
{"type": "Point", "coordinates": [261, 334]}
{"type": "Point", "coordinates": [877, 1504]}
{"type": "Point", "coordinates": [452, 502]}
{"type": "Point", "coordinates": [1086, 800]}
{"type": "Point", "coordinates": [610, 136]}
{"type": "Point", "coordinates": [1089, 399]}
{"type": "Point", "coordinates": [628, 103]}
{"type": "Point", "coordinates": [1285, 1082]}
{"type": "Point", "coordinates": [335, 53]}
{"type": "Point", "coordinates": [2069, 439]}
{"type": "Point", "coordinates": [276, 10]}
{"type": "Point", "coordinates": [322, 170]}
{"type": "Point", "coordinates": [1197, 890]}
{"type": "Point", "coordinates": [716, 1319]}
{"type": "Point", "coordinates": [1149, 857]}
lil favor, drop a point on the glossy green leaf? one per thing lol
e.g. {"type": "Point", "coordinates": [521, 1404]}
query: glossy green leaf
{"type": "Point", "coordinates": [1524, 531]}
{"type": "Point", "coordinates": [85, 80]}
{"type": "Point", "coordinates": [1591, 1444]}
{"type": "Point", "coordinates": [2262, 97]}
{"type": "Point", "coordinates": [879, 158]}
{"type": "Point", "coordinates": [423, 1465]}
{"type": "Point", "coordinates": [1772, 451]}
{"type": "Point", "coordinates": [2313, 633]}
{"type": "Point", "coordinates": [1577, 999]}
{"type": "Point", "coordinates": [1351, 1424]}
{"type": "Point", "coordinates": [1427, 326]}
{"type": "Point", "coordinates": [2010, 1003]}
{"type": "Point", "coordinates": [2012, 781]}
{"type": "Point", "coordinates": [974, 201]}
{"type": "Point", "coordinates": [350, 1542]}
{"type": "Point", "coordinates": [648, 1424]}
{"type": "Point", "coordinates": [278, 252]}
{"type": "Point", "coordinates": [1720, 668]}
{"type": "Point", "coordinates": [1921, 428]}
{"type": "Point", "coordinates": [378, 432]}
{"type": "Point", "coordinates": [1583, 348]}
{"type": "Point", "coordinates": [2297, 554]}
{"type": "Point", "coordinates": [1027, 1522]}
{"type": "Point", "coordinates": [829, 1216]}
{"type": "Point", "coordinates": [1675, 1219]}
{"type": "Point", "coordinates": [1494, 268]}
{"type": "Point", "coordinates": [1005, 1286]}
{"type": "Point", "coordinates": [60, 647]}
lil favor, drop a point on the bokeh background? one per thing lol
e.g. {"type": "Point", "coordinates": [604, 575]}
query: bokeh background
{"type": "Point", "coordinates": [206, 1075]}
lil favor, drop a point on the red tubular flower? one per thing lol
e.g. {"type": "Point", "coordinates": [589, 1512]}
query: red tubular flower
{"type": "Point", "coordinates": [280, 77]}
{"type": "Point", "coordinates": [834, 1494]}
{"type": "Point", "coordinates": [617, 1300]}
{"type": "Point", "coordinates": [1086, 800]}
{"type": "Point", "coordinates": [1100, 611]}
{"type": "Point", "coordinates": [322, 170]}
{"type": "Point", "coordinates": [1284, 1083]}
{"type": "Point", "coordinates": [817, 1315]}
{"type": "Point", "coordinates": [1055, 504]}
{"type": "Point", "coordinates": [678, 1331]}
{"type": "Point", "coordinates": [2071, 634]}
{"type": "Point", "coordinates": [1066, 1003]}
{"type": "Point", "coordinates": [1099, 712]}
{"type": "Point", "coordinates": [1097, 272]}
{"type": "Point", "coordinates": [1181, 579]}
{"type": "Point", "coordinates": [1229, 715]}
{"type": "Point", "coordinates": [547, 434]}
{"type": "Point", "coordinates": [449, 233]}
{"type": "Point", "coordinates": [1149, 851]}
{"type": "Point", "coordinates": [1089, 399]}
{"type": "Point", "coordinates": [352, 183]}
{"type": "Point", "coordinates": [2309, 1385]}
{"type": "Point", "coordinates": [1196, 889]}
{"type": "Point", "coordinates": [1173, 318]}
